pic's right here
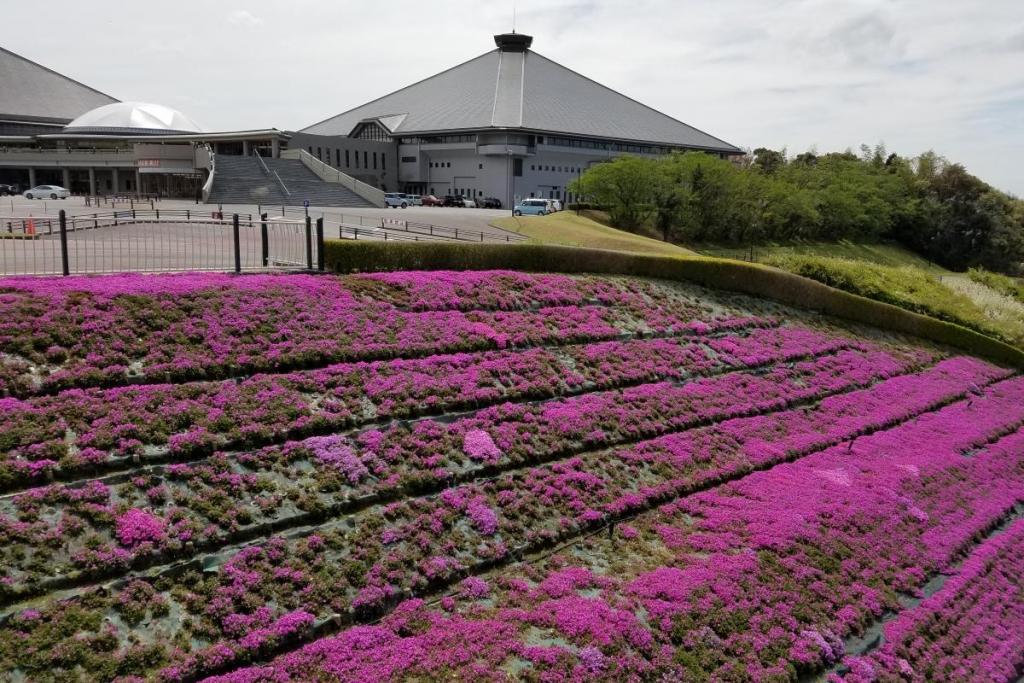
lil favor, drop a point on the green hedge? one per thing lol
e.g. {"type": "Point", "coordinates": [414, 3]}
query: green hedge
{"type": "Point", "coordinates": [346, 256]}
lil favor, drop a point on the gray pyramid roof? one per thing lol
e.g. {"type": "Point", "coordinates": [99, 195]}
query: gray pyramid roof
{"type": "Point", "coordinates": [31, 92]}
{"type": "Point", "coordinates": [517, 88]}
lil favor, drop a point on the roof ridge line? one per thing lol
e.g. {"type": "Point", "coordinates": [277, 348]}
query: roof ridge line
{"type": "Point", "coordinates": [395, 92]}
{"type": "Point", "coordinates": [59, 74]}
{"type": "Point", "coordinates": [497, 87]}
{"type": "Point", "coordinates": [635, 101]}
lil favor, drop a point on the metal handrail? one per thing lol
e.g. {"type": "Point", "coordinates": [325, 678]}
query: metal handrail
{"type": "Point", "coordinates": [263, 164]}
{"type": "Point", "coordinates": [266, 171]}
{"type": "Point", "coordinates": [287, 192]}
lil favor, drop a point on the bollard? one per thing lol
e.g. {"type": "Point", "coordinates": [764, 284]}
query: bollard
{"type": "Point", "coordinates": [64, 243]}
{"type": "Point", "coordinates": [264, 240]}
{"type": "Point", "coordinates": [238, 246]}
{"type": "Point", "coordinates": [309, 243]}
{"type": "Point", "coordinates": [320, 244]}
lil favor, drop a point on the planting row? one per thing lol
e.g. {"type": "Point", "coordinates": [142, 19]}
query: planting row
{"type": "Point", "coordinates": [116, 329]}
{"type": "Point", "coordinates": [972, 629]}
{"type": "Point", "coordinates": [82, 429]}
{"type": "Point", "coordinates": [268, 593]}
{"type": "Point", "coordinates": [50, 531]}
{"type": "Point", "coordinates": [758, 579]}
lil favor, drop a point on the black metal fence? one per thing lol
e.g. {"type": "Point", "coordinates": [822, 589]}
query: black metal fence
{"type": "Point", "coordinates": [130, 242]}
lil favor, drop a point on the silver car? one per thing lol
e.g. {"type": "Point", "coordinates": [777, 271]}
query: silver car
{"type": "Point", "coordinates": [47, 192]}
{"type": "Point", "coordinates": [414, 199]}
{"type": "Point", "coordinates": [395, 200]}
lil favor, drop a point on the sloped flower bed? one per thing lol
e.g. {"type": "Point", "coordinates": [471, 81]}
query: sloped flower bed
{"type": "Point", "coordinates": [489, 476]}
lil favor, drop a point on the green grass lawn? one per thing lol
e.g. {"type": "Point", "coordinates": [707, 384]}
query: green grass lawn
{"type": "Point", "coordinates": [878, 253]}
{"type": "Point", "coordinates": [568, 229]}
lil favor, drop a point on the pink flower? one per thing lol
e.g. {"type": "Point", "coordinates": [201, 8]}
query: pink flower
{"type": "Point", "coordinates": [138, 526]}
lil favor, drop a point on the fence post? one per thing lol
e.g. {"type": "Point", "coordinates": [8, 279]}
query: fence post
{"type": "Point", "coordinates": [64, 243]}
{"type": "Point", "coordinates": [238, 246]}
{"type": "Point", "coordinates": [264, 240]}
{"type": "Point", "coordinates": [188, 214]}
{"type": "Point", "coordinates": [158, 214]}
{"type": "Point", "coordinates": [320, 243]}
{"type": "Point", "coordinates": [309, 242]}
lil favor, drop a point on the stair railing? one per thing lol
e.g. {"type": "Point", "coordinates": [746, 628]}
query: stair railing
{"type": "Point", "coordinates": [330, 174]}
{"type": "Point", "coordinates": [287, 192]}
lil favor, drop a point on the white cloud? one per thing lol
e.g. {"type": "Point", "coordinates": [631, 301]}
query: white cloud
{"type": "Point", "coordinates": [916, 74]}
{"type": "Point", "coordinates": [244, 19]}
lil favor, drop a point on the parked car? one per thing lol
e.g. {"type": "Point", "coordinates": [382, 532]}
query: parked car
{"type": "Point", "coordinates": [452, 200]}
{"type": "Point", "coordinates": [468, 203]}
{"type": "Point", "coordinates": [430, 200]}
{"type": "Point", "coordinates": [532, 207]}
{"type": "Point", "coordinates": [395, 200]}
{"type": "Point", "coordinates": [8, 189]}
{"type": "Point", "coordinates": [490, 203]}
{"type": "Point", "coordinates": [414, 199]}
{"type": "Point", "coordinates": [556, 205]}
{"type": "Point", "coordinates": [47, 192]}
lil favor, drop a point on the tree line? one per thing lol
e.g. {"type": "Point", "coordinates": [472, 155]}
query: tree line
{"type": "Point", "coordinates": [927, 203]}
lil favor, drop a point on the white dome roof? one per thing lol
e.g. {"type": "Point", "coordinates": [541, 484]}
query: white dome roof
{"type": "Point", "coordinates": [133, 118]}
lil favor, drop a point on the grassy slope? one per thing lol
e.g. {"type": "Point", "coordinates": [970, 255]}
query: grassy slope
{"type": "Point", "coordinates": [933, 293]}
{"type": "Point", "coordinates": [882, 254]}
{"type": "Point", "coordinates": [884, 272]}
{"type": "Point", "coordinates": [568, 229]}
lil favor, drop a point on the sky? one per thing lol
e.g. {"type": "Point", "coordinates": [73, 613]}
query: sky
{"type": "Point", "coordinates": [824, 75]}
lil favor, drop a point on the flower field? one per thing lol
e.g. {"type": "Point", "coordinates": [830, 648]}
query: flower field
{"type": "Point", "coordinates": [494, 476]}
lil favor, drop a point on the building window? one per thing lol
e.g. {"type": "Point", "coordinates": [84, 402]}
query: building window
{"type": "Point", "coordinates": [357, 159]}
{"type": "Point", "coordinates": [383, 164]}
{"type": "Point", "coordinates": [366, 160]}
{"type": "Point", "coordinates": [481, 167]}
{"type": "Point", "coordinates": [318, 156]}
{"type": "Point", "coordinates": [374, 161]}
{"type": "Point", "coordinates": [310, 148]}
{"type": "Point", "coordinates": [337, 158]}
{"type": "Point", "coordinates": [346, 159]}
{"type": "Point", "coordinates": [409, 160]}
{"type": "Point", "coordinates": [517, 168]}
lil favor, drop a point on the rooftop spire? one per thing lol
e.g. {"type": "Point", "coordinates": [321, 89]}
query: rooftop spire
{"type": "Point", "coordinates": [513, 42]}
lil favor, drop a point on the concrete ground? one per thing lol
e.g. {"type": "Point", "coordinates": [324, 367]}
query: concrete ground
{"type": "Point", "coordinates": [175, 244]}
{"type": "Point", "coordinates": [464, 219]}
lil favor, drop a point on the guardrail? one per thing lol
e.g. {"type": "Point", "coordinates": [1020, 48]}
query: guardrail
{"type": "Point", "coordinates": [413, 227]}
{"type": "Point", "coordinates": [330, 174]}
{"type": "Point", "coordinates": [29, 226]}
{"type": "Point", "coordinates": [165, 244]}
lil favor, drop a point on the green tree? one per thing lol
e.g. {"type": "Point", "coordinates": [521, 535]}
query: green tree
{"type": "Point", "coordinates": [623, 186]}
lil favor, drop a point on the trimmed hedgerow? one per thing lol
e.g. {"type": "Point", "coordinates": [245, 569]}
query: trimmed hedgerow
{"type": "Point", "coordinates": [764, 281]}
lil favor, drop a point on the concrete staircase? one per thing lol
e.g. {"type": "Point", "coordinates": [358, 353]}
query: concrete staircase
{"type": "Point", "coordinates": [242, 180]}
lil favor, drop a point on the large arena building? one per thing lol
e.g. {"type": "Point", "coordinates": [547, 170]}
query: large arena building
{"type": "Point", "coordinates": [508, 124]}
